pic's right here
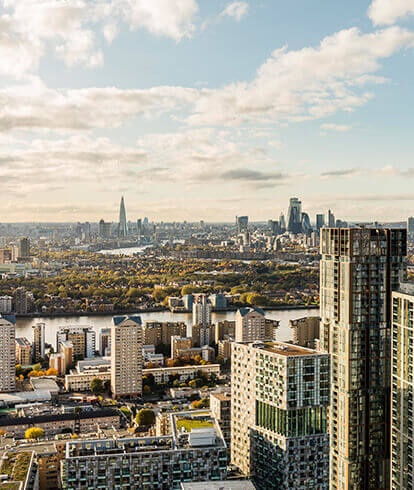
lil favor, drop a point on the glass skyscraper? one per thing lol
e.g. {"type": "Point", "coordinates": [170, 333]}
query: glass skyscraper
{"type": "Point", "coordinates": [359, 269]}
{"type": "Point", "coordinates": [122, 226]}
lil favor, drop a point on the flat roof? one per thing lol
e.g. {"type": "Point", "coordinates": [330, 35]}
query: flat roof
{"type": "Point", "coordinates": [285, 349]}
{"type": "Point", "coordinates": [218, 485]}
{"type": "Point", "coordinates": [222, 396]}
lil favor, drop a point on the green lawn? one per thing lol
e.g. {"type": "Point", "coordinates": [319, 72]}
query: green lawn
{"type": "Point", "coordinates": [189, 424]}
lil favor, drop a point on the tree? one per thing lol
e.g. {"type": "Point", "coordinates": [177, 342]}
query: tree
{"type": "Point", "coordinates": [145, 416]}
{"type": "Point", "coordinates": [51, 372]}
{"type": "Point", "coordinates": [96, 386]}
{"type": "Point", "coordinates": [35, 374]}
{"type": "Point", "coordinates": [37, 367]}
{"type": "Point", "coordinates": [34, 433]}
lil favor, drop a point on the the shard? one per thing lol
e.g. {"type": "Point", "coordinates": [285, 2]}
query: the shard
{"type": "Point", "coordinates": [122, 226]}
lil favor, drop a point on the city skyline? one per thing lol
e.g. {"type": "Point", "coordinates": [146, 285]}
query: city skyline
{"type": "Point", "coordinates": [205, 110]}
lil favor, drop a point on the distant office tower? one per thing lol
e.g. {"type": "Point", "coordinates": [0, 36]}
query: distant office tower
{"type": "Point", "coordinates": [250, 325]}
{"type": "Point", "coordinates": [139, 227]}
{"type": "Point", "coordinates": [24, 248]}
{"type": "Point", "coordinates": [274, 227]}
{"type": "Point", "coordinates": [6, 304]}
{"type": "Point", "coordinates": [122, 225]}
{"type": "Point", "coordinates": [202, 309]}
{"type": "Point", "coordinates": [21, 301]}
{"type": "Point", "coordinates": [126, 356]}
{"type": "Point", "coordinates": [359, 269]}
{"type": "Point", "coordinates": [331, 219]}
{"type": "Point", "coordinates": [7, 353]}
{"type": "Point", "coordinates": [279, 403]}
{"type": "Point", "coordinates": [242, 223]}
{"type": "Point", "coordinates": [402, 405]}
{"type": "Point", "coordinates": [282, 223]}
{"type": "Point", "coordinates": [38, 341]}
{"type": "Point", "coordinates": [82, 338]}
{"type": "Point", "coordinates": [294, 215]}
{"type": "Point", "coordinates": [320, 221]}
{"type": "Point", "coordinates": [306, 224]}
{"type": "Point", "coordinates": [23, 351]}
{"type": "Point", "coordinates": [104, 229]}
{"type": "Point", "coordinates": [410, 225]}
{"type": "Point", "coordinates": [105, 341]}
{"type": "Point", "coordinates": [341, 224]}
{"type": "Point", "coordinates": [202, 335]}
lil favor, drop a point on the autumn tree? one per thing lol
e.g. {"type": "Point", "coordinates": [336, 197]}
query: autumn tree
{"type": "Point", "coordinates": [34, 433]}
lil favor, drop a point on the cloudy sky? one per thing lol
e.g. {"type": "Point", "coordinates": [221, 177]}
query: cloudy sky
{"type": "Point", "coordinates": [204, 109]}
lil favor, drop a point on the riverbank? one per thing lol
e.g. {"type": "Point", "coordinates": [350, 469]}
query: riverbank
{"type": "Point", "coordinates": [161, 309]}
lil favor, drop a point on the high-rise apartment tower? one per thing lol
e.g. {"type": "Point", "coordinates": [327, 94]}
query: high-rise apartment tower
{"type": "Point", "coordinates": [359, 269]}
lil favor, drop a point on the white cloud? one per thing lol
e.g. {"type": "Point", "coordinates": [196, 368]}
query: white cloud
{"type": "Point", "coordinates": [237, 10]}
{"type": "Point", "coordinates": [387, 12]}
{"type": "Point", "coordinates": [340, 128]}
{"type": "Point", "coordinates": [31, 28]}
{"type": "Point", "coordinates": [160, 17]}
{"type": "Point", "coordinates": [36, 107]}
{"type": "Point", "coordinates": [309, 83]}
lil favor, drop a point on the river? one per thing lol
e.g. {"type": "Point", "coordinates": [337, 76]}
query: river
{"type": "Point", "coordinates": [24, 325]}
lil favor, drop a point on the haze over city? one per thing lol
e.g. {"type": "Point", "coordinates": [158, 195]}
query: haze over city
{"type": "Point", "coordinates": [205, 110]}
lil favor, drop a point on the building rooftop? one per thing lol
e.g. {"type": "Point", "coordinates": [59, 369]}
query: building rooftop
{"type": "Point", "coordinates": [45, 384]}
{"type": "Point", "coordinates": [196, 429]}
{"type": "Point", "coordinates": [285, 349]}
{"type": "Point", "coordinates": [15, 467]}
{"type": "Point", "coordinates": [8, 318]}
{"type": "Point", "coordinates": [23, 342]}
{"type": "Point", "coordinates": [119, 319]}
{"type": "Point", "coordinates": [245, 311]}
{"type": "Point", "coordinates": [218, 485]}
{"type": "Point", "coordinates": [86, 414]}
{"type": "Point", "coordinates": [222, 396]}
{"type": "Point", "coordinates": [406, 288]}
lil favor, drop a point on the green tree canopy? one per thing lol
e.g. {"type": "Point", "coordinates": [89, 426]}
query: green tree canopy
{"type": "Point", "coordinates": [145, 416]}
{"type": "Point", "coordinates": [96, 386]}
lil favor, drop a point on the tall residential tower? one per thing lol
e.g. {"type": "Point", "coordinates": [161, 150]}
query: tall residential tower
{"type": "Point", "coordinates": [7, 353]}
{"type": "Point", "coordinates": [402, 402]}
{"type": "Point", "coordinates": [359, 269]}
{"type": "Point", "coordinates": [126, 356]}
{"type": "Point", "coordinates": [279, 404]}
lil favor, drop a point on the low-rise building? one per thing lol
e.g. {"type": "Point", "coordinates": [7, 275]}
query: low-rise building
{"type": "Point", "coordinates": [162, 375]}
{"type": "Point", "coordinates": [79, 379]}
{"type": "Point", "coordinates": [194, 451]}
{"type": "Point", "coordinates": [19, 470]}
{"type": "Point", "coordinates": [83, 422]}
